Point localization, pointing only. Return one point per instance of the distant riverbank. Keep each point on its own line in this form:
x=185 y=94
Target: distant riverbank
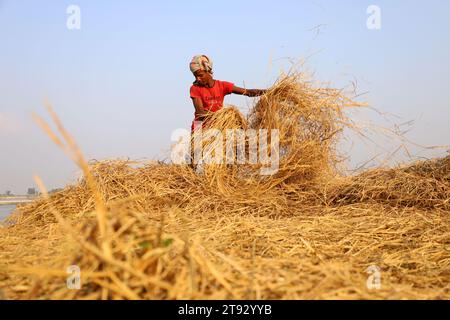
x=10 y=200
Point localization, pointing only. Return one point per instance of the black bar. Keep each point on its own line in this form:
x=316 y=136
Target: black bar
x=230 y=309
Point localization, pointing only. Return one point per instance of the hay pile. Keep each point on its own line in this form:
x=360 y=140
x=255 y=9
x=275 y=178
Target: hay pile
x=162 y=231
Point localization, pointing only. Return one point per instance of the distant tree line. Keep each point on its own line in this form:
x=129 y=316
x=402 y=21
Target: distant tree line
x=30 y=192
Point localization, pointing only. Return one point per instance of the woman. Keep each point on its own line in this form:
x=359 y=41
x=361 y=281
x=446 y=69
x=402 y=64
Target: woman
x=207 y=93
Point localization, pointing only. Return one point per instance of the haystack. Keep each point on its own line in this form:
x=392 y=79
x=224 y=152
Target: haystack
x=163 y=231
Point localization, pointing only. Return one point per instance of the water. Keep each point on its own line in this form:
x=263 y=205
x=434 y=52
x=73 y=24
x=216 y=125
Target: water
x=5 y=210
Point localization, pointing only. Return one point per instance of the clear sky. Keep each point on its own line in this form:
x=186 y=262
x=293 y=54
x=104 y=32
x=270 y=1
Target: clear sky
x=121 y=82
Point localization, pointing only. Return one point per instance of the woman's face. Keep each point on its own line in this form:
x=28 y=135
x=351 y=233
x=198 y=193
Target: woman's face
x=202 y=77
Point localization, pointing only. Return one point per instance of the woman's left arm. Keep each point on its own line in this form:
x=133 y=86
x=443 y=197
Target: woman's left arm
x=249 y=92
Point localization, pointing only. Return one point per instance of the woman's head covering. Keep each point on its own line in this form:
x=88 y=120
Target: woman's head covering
x=201 y=62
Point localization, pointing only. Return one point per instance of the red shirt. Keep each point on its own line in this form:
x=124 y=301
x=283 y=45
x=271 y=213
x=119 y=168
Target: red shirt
x=212 y=98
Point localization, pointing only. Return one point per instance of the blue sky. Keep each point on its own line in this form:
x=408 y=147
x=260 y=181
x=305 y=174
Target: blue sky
x=121 y=83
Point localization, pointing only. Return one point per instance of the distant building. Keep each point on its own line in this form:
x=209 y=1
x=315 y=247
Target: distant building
x=31 y=191
x=8 y=193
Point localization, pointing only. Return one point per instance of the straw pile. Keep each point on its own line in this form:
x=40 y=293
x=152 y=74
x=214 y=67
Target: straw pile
x=162 y=231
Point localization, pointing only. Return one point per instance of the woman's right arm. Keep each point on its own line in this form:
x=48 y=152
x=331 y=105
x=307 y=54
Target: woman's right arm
x=249 y=92
x=199 y=111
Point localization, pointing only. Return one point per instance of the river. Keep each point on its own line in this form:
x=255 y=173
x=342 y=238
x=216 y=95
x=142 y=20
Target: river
x=5 y=210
